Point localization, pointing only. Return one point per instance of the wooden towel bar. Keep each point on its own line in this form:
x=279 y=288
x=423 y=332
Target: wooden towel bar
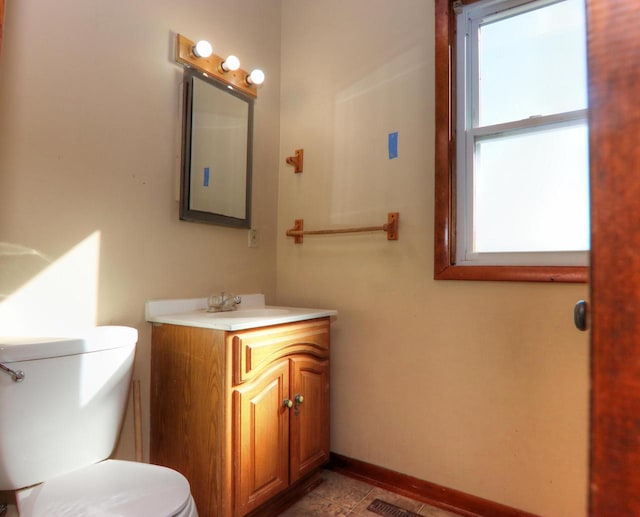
x=391 y=228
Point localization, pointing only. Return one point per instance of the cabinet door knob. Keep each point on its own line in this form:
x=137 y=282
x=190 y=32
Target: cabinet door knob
x=299 y=399
x=287 y=403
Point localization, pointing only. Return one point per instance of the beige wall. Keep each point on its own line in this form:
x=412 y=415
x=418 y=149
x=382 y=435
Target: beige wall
x=89 y=154
x=482 y=387
x=476 y=386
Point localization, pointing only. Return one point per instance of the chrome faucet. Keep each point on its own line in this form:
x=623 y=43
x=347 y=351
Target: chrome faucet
x=223 y=302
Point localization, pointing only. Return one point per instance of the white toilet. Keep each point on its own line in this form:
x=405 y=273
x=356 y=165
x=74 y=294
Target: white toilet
x=62 y=403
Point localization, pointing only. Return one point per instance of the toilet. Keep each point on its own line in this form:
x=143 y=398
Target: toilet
x=62 y=404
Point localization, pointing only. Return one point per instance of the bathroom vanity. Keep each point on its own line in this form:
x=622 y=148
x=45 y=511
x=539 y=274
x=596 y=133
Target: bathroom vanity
x=240 y=400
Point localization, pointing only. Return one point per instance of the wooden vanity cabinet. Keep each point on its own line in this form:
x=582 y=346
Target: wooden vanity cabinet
x=243 y=415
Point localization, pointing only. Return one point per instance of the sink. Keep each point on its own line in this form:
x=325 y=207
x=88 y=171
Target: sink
x=250 y=313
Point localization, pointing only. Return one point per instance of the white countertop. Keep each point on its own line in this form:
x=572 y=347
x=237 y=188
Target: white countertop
x=251 y=313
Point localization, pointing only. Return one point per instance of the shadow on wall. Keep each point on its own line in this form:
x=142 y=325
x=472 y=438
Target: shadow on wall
x=365 y=179
x=44 y=297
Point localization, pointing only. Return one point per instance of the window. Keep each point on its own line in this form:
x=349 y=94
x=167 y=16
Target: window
x=512 y=198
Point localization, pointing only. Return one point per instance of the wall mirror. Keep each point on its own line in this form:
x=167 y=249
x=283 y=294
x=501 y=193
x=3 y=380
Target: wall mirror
x=216 y=153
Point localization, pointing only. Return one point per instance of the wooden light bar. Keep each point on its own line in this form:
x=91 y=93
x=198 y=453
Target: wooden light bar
x=212 y=66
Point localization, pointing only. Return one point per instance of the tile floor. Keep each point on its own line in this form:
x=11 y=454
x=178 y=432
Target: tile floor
x=341 y=496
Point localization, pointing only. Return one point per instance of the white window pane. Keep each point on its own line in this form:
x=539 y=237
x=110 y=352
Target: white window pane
x=531 y=191
x=533 y=63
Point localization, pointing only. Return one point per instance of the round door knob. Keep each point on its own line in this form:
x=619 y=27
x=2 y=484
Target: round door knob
x=287 y=403
x=299 y=399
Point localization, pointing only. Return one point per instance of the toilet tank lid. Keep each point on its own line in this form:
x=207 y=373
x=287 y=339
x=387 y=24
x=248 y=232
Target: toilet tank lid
x=24 y=348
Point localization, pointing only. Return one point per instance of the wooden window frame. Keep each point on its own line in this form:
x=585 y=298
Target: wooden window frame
x=445 y=267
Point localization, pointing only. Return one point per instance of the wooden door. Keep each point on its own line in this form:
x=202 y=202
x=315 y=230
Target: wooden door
x=1 y=24
x=614 y=95
x=310 y=418
x=261 y=438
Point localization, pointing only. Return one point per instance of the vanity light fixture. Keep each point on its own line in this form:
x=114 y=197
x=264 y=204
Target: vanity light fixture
x=202 y=49
x=227 y=71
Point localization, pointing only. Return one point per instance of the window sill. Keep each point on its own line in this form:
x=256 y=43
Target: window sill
x=557 y=274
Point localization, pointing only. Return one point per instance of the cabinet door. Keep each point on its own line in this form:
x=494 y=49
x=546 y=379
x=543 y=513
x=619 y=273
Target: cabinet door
x=309 y=439
x=261 y=438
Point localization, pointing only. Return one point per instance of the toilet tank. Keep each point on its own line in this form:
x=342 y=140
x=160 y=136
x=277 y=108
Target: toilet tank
x=67 y=411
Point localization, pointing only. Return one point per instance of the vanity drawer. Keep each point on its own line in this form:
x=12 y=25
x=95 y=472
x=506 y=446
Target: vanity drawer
x=254 y=350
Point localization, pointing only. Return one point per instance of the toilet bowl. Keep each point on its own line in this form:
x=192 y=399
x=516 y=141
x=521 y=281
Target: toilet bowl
x=66 y=398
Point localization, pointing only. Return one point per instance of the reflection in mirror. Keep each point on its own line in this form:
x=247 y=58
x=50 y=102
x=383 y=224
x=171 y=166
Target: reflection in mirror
x=216 y=153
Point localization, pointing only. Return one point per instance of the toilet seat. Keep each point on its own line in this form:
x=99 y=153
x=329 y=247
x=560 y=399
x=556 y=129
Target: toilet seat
x=110 y=488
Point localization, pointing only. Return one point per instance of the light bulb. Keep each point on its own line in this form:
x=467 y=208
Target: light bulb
x=202 y=49
x=256 y=77
x=230 y=64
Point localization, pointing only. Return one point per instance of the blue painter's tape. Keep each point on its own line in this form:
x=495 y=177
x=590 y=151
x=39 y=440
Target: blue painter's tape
x=393 y=145
x=206 y=176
